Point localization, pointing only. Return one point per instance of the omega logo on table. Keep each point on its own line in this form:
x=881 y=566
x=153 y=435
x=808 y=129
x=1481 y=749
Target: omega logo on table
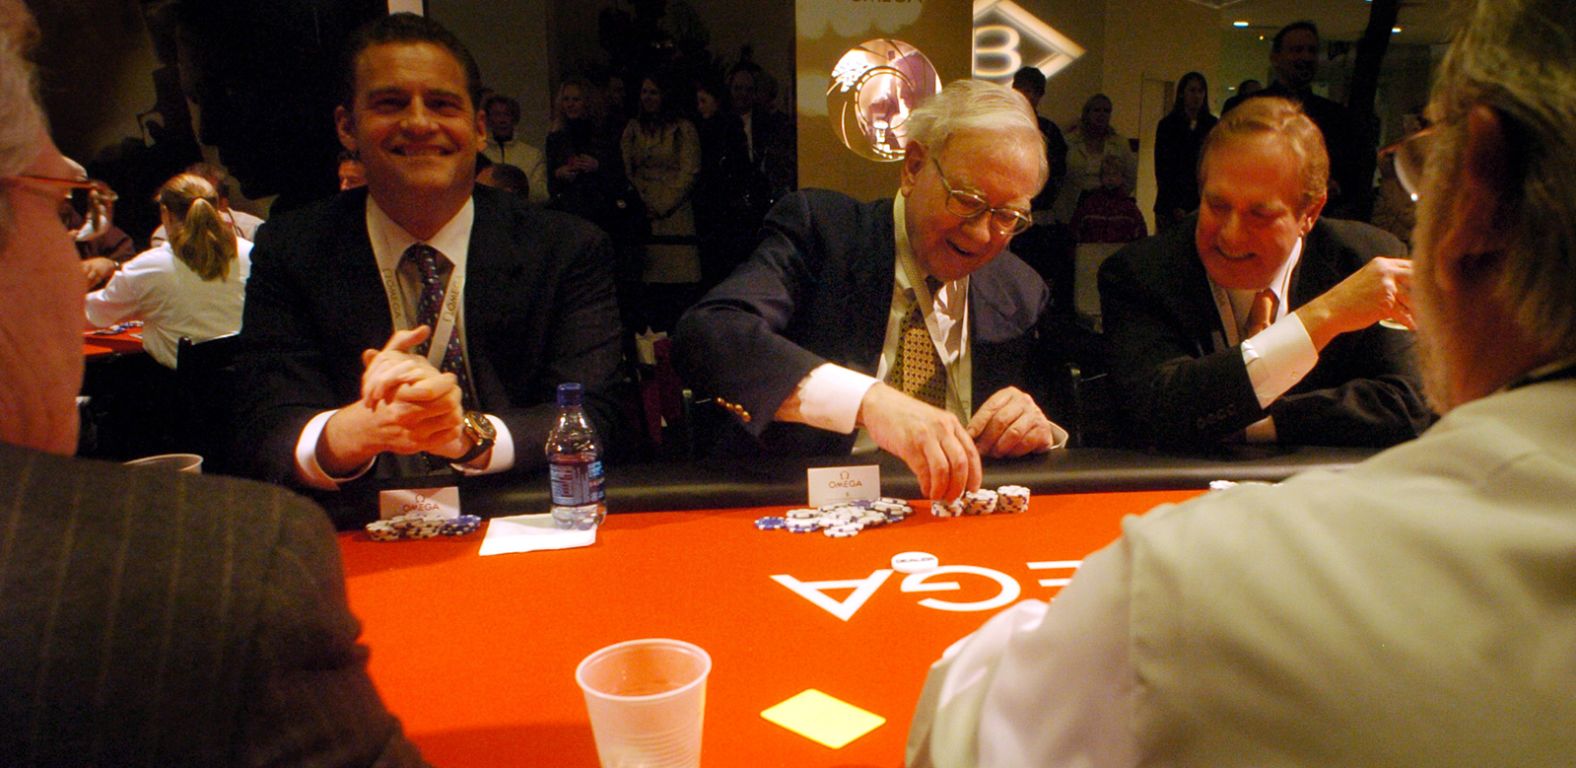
x=1008 y=588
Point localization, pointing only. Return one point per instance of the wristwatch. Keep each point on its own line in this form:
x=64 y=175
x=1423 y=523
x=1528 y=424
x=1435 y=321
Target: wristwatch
x=479 y=430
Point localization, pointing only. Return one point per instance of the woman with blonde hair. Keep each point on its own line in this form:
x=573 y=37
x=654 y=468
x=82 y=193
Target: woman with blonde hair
x=194 y=285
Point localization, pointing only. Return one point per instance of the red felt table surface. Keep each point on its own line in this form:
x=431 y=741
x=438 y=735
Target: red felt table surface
x=476 y=655
x=95 y=345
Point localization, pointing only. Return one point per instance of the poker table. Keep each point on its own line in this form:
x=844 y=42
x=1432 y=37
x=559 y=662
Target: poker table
x=477 y=655
x=96 y=344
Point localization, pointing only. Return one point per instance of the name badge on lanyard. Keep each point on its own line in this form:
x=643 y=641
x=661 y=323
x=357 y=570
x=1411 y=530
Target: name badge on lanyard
x=448 y=315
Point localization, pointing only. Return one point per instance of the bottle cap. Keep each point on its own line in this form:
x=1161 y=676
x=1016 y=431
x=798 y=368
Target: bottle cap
x=569 y=393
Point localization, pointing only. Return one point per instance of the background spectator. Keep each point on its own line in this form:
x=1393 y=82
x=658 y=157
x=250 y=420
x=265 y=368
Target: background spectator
x=1177 y=140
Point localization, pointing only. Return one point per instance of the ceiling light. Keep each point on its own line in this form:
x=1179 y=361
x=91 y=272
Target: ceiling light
x=1239 y=23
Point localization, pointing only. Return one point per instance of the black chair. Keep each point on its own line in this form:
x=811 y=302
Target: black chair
x=205 y=381
x=1091 y=408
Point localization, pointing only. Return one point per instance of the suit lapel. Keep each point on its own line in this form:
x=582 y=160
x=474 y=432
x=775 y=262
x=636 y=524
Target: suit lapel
x=871 y=280
x=353 y=279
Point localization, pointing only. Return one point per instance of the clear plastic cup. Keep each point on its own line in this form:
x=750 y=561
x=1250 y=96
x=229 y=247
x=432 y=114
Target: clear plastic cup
x=647 y=700
x=190 y=463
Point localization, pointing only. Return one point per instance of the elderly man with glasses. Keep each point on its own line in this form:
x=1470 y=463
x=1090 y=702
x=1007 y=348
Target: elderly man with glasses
x=903 y=320
x=1257 y=319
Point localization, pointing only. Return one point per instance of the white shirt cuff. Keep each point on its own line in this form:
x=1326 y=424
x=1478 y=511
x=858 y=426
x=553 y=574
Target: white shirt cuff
x=829 y=397
x=502 y=451
x=1278 y=357
x=307 y=469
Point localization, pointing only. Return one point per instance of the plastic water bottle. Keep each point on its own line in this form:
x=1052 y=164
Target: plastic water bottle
x=574 y=457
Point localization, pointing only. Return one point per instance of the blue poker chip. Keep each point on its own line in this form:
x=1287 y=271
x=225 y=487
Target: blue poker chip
x=771 y=523
x=462 y=525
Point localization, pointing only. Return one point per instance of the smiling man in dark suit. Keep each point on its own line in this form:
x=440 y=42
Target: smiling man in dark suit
x=1261 y=320
x=906 y=318
x=423 y=316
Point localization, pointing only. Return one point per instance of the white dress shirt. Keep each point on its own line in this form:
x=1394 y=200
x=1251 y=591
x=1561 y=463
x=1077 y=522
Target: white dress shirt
x=171 y=300
x=1277 y=357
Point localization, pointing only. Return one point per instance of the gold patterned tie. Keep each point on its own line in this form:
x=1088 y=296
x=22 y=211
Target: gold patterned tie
x=1262 y=312
x=918 y=371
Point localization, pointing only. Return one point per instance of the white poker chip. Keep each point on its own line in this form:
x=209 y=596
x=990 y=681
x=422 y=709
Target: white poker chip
x=842 y=531
x=914 y=562
x=803 y=514
x=1012 y=499
x=981 y=502
x=952 y=508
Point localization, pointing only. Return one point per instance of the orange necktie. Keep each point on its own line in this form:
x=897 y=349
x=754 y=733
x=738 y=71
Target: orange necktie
x=1262 y=312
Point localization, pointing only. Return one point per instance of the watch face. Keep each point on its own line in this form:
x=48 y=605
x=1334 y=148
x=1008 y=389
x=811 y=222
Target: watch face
x=478 y=428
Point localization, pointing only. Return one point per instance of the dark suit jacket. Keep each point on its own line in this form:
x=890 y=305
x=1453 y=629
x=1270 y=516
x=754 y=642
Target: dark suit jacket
x=1161 y=320
x=151 y=618
x=539 y=310
x=818 y=289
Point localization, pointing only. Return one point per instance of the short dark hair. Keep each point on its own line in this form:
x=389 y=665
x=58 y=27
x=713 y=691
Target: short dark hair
x=511 y=178
x=1029 y=77
x=405 y=28
x=218 y=177
x=508 y=102
x=1275 y=46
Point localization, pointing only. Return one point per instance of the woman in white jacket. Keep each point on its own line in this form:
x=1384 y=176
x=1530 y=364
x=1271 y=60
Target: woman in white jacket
x=194 y=285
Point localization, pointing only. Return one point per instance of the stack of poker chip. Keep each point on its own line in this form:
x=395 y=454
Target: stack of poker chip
x=1010 y=499
x=839 y=520
x=416 y=525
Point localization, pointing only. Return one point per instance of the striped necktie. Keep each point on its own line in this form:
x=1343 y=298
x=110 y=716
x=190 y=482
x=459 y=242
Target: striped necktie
x=428 y=305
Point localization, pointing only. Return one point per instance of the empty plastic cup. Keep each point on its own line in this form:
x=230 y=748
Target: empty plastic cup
x=174 y=462
x=646 y=699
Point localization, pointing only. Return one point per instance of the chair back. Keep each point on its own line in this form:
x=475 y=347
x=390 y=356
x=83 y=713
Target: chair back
x=205 y=381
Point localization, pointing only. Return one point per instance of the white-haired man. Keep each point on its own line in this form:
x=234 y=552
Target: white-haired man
x=904 y=318
x=146 y=618
x=1416 y=609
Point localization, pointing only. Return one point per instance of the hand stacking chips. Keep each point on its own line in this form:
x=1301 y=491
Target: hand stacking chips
x=839 y=520
x=418 y=526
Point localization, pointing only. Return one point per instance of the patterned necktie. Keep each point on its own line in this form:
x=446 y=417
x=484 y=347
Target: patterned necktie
x=1262 y=312
x=428 y=305
x=917 y=371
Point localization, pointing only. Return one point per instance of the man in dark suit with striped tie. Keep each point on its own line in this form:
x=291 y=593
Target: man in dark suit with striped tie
x=147 y=618
x=421 y=323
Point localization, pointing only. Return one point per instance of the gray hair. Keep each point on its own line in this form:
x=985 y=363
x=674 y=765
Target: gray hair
x=1518 y=57
x=23 y=125
x=976 y=105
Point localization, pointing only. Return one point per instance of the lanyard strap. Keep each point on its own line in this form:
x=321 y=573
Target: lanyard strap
x=448 y=316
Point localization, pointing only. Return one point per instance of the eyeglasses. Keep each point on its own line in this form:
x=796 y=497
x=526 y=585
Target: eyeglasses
x=1409 y=155
x=969 y=205
x=90 y=198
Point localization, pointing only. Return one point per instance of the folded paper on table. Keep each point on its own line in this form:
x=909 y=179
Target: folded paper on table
x=529 y=533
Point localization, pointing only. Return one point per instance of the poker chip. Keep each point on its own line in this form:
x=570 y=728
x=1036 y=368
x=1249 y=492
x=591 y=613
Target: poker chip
x=914 y=562
x=419 y=526
x=1008 y=499
x=841 y=531
x=980 y=502
x=1012 y=499
x=952 y=508
x=802 y=526
x=840 y=519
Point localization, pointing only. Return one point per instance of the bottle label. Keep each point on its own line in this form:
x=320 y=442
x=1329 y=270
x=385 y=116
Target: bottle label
x=575 y=484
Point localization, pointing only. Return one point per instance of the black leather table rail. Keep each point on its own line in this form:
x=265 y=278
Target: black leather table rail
x=716 y=483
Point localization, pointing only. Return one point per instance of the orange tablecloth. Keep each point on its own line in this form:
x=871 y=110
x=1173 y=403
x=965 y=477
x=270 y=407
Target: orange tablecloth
x=477 y=655
x=95 y=345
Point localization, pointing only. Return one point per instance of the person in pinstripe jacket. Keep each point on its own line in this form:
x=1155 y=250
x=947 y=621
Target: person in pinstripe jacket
x=146 y=618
